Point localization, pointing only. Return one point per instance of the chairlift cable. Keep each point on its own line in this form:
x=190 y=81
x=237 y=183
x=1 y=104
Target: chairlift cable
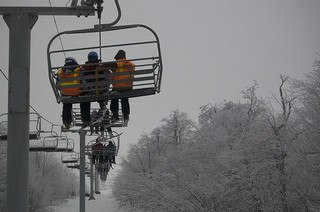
x=4 y=75
x=34 y=110
x=42 y=116
x=99 y=10
x=67 y=2
x=4 y=178
x=55 y=22
x=31 y=105
x=100 y=41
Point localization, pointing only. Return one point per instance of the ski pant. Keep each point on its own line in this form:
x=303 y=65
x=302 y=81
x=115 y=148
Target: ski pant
x=101 y=105
x=67 y=116
x=85 y=111
x=125 y=107
x=66 y=113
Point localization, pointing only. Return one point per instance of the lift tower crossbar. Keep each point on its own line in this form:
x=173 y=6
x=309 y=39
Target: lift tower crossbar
x=20 y=21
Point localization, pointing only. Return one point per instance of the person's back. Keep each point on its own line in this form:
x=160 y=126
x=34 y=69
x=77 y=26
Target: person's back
x=90 y=85
x=111 y=151
x=70 y=70
x=97 y=148
x=123 y=65
x=96 y=72
x=94 y=116
x=104 y=156
x=92 y=63
x=90 y=68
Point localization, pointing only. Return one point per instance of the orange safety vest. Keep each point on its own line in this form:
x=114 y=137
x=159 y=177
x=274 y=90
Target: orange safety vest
x=124 y=66
x=76 y=73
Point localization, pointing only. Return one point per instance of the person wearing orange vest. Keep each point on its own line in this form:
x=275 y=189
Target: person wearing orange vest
x=122 y=65
x=71 y=69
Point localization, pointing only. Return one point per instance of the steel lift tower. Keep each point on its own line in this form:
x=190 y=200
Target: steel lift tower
x=20 y=21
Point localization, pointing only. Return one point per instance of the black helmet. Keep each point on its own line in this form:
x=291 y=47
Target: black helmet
x=120 y=55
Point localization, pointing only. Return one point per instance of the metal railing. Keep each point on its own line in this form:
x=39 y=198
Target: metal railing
x=145 y=80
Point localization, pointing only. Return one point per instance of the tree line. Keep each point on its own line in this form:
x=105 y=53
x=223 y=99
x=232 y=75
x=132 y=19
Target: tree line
x=254 y=155
x=50 y=183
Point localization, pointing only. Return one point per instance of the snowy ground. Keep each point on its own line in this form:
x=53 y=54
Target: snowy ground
x=103 y=203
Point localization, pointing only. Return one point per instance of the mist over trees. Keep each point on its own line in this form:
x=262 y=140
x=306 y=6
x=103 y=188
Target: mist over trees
x=254 y=155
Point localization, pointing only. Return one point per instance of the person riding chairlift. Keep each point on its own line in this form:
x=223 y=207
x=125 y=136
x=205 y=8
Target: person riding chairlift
x=71 y=69
x=121 y=65
x=92 y=67
x=97 y=149
x=111 y=151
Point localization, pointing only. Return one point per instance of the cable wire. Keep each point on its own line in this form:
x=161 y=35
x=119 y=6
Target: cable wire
x=31 y=105
x=55 y=22
x=99 y=18
x=100 y=40
x=67 y=2
x=4 y=75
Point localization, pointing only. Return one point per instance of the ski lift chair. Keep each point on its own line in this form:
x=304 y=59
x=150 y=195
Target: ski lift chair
x=45 y=144
x=146 y=55
x=70 y=157
x=105 y=142
x=74 y=166
x=35 y=124
x=65 y=144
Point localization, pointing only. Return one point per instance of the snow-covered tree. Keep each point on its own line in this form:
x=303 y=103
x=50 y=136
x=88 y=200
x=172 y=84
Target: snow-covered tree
x=250 y=156
x=50 y=182
x=178 y=127
x=141 y=167
x=307 y=146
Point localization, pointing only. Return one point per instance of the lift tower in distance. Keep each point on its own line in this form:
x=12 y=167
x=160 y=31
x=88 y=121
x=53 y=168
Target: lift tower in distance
x=20 y=21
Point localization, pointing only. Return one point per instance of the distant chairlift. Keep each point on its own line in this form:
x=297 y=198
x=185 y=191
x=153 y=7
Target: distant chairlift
x=115 y=140
x=52 y=143
x=145 y=55
x=65 y=145
x=70 y=157
x=74 y=165
x=105 y=153
x=35 y=126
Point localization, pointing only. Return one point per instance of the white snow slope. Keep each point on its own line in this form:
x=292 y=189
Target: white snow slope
x=103 y=203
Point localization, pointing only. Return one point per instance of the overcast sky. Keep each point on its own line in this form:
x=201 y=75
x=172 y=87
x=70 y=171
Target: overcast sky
x=212 y=49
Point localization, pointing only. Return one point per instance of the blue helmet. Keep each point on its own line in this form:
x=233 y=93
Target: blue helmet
x=93 y=57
